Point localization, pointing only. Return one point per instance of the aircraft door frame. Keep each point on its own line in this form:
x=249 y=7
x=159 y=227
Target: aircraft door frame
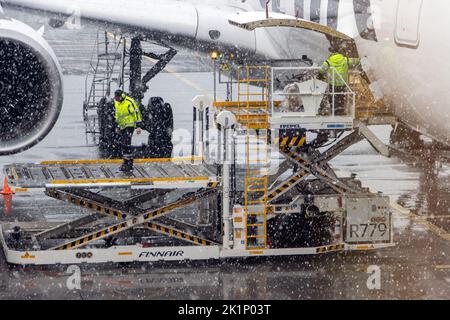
x=407 y=26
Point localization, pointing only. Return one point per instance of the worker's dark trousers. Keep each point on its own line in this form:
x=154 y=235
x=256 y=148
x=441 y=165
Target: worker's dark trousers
x=127 y=152
x=339 y=100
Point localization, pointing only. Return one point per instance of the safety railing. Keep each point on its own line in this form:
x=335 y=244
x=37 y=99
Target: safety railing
x=311 y=92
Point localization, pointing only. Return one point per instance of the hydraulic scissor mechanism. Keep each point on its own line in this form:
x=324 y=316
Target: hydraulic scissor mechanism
x=314 y=164
x=128 y=222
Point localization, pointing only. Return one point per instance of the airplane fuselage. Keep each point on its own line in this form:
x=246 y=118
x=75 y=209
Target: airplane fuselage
x=404 y=48
x=403 y=43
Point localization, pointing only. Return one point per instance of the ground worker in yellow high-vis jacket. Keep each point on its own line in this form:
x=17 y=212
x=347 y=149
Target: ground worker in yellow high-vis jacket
x=338 y=79
x=128 y=116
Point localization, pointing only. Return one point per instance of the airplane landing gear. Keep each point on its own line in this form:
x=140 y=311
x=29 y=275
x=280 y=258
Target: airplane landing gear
x=405 y=138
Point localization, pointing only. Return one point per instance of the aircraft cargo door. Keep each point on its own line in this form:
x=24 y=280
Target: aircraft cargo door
x=407 y=30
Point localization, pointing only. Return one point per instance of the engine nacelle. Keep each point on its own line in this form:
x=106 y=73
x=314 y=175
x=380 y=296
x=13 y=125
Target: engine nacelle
x=31 y=89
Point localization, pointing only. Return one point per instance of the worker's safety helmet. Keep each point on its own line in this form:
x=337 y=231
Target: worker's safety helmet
x=119 y=95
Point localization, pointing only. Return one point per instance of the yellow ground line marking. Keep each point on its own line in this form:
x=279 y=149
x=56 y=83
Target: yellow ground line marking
x=443 y=267
x=443 y=234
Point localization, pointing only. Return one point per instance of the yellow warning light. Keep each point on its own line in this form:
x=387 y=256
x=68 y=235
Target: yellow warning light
x=215 y=55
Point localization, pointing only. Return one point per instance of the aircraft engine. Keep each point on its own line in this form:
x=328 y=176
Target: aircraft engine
x=31 y=89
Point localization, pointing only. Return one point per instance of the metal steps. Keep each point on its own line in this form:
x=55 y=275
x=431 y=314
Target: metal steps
x=106 y=68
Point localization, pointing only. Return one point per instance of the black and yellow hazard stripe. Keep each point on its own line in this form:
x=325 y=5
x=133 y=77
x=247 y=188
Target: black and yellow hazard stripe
x=330 y=248
x=293 y=154
x=291 y=142
x=93 y=236
x=78 y=201
x=212 y=184
x=287 y=185
x=132 y=222
x=179 y=234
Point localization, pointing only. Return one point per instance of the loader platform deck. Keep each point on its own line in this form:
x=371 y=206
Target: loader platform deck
x=182 y=172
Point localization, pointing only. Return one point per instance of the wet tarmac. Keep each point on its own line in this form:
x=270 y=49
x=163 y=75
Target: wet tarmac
x=418 y=267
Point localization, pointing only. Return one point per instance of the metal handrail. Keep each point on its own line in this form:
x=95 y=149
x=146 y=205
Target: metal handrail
x=313 y=70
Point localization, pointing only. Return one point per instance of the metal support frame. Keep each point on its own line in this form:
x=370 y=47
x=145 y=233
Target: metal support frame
x=316 y=165
x=128 y=221
x=138 y=84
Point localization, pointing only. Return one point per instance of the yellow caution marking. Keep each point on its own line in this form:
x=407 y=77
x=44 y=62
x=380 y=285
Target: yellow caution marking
x=119 y=161
x=244 y=104
x=125 y=253
x=86 y=204
x=294 y=139
x=17 y=190
x=301 y=142
x=27 y=256
x=179 y=234
x=286 y=185
x=330 y=248
x=135 y=180
x=259 y=252
x=284 y=142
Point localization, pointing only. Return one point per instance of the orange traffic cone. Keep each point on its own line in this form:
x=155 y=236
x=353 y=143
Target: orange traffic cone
x=7 y=197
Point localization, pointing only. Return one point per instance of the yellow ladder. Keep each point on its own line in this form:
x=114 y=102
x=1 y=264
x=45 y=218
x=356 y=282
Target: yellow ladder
x=256 y=198
x=254 y=113
x=254 y=116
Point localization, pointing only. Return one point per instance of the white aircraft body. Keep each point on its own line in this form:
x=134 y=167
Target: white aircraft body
x=403 y=43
